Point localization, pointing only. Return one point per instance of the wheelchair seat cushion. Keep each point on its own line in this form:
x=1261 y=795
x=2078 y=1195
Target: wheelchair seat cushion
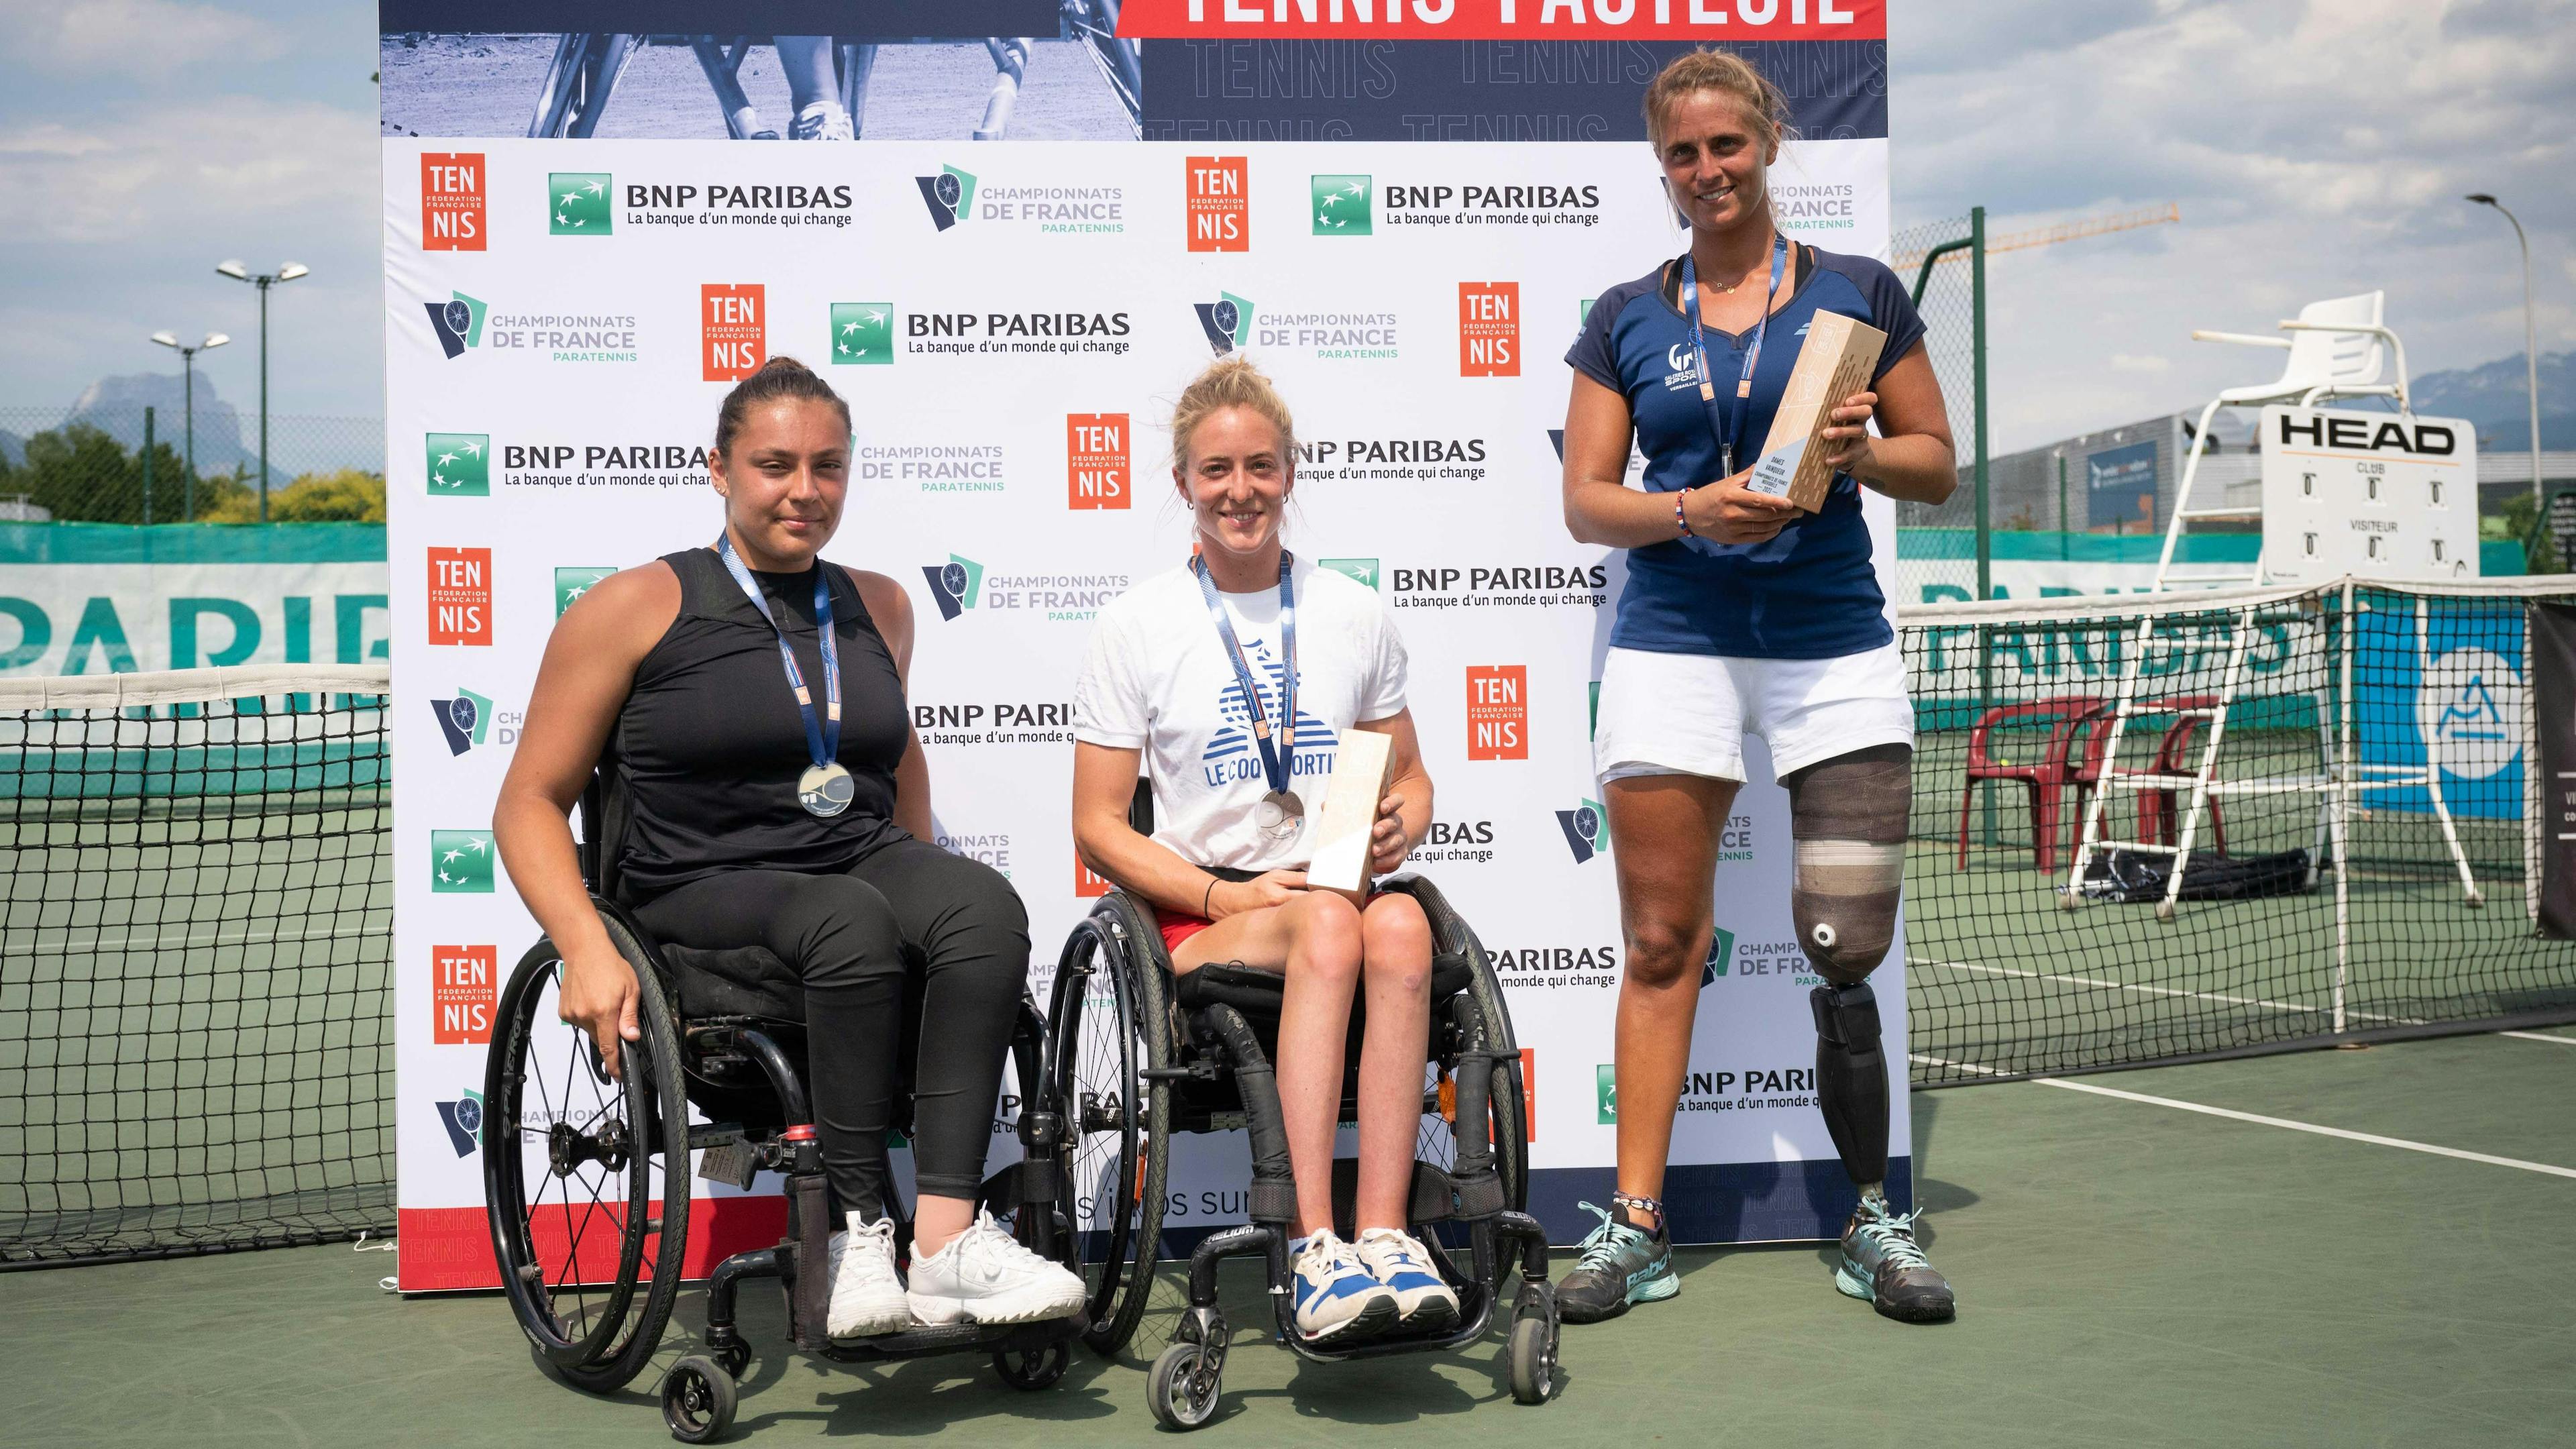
x=738 y=981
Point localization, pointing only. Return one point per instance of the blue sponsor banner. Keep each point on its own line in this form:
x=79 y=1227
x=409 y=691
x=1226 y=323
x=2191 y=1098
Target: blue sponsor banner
x=2463 y=687
x=1476 y=90
x=2120 y=486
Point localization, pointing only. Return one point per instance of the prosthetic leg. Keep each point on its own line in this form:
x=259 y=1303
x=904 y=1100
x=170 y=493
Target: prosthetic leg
x=1848 y=821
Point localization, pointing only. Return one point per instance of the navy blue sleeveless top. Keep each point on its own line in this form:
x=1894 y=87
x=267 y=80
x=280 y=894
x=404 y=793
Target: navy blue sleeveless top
x=711 y=744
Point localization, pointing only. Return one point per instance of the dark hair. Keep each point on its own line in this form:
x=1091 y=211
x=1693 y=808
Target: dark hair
x=779 y=379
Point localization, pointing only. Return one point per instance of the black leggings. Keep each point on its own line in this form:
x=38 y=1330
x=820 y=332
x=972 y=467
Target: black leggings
x=857 y=938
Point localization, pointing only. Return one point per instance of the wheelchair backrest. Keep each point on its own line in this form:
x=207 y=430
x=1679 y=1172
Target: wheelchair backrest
x=604 y=809
x=1140 y=807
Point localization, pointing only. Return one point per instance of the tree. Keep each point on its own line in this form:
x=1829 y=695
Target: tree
x=81 y=474
x=344 y=496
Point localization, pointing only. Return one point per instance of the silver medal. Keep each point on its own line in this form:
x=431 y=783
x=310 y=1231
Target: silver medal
x=826 y=789
x=1280 y=815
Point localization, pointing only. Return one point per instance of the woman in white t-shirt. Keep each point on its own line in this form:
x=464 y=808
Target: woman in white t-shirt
x=1231 y=679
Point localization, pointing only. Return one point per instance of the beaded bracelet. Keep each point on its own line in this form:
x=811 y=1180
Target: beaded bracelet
x=1680 y=517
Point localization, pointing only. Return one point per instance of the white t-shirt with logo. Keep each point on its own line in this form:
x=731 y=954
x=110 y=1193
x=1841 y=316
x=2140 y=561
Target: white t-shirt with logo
x=1158 y=678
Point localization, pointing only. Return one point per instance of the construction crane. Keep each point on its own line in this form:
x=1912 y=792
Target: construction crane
x=1905 y=262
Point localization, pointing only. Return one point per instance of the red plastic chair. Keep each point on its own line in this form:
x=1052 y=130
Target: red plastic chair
x=2046 y=778
x=2158 y=811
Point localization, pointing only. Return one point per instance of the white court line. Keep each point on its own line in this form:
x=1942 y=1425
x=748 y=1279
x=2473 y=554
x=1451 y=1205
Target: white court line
x=2371 y=1138
x=2104 y=984
x=2536 y=1036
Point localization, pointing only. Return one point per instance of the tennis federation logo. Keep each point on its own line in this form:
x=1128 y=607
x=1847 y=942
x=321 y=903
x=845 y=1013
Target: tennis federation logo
x=950 y=195
x=464 y=720
x=581 y=203
x=459 y=464
x=460 y=862
x=862 y=333
x=1587 y=833
x=463 y=1119
x=1227 y=322
x=451 y=201
x=1721 y=954
x=954 y=584
x=1343 y=205
x=458 y=322
x=1219 y=203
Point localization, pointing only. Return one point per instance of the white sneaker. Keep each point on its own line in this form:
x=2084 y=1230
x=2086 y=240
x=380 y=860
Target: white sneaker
x=985 y=1275
x=1397 y=1259
x=867 y=1297
x=821 y=121
x=1334 y=1297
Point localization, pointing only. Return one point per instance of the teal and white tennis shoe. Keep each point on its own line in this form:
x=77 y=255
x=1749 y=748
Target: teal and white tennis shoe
x=1617 y=1265
x=1883 y=1264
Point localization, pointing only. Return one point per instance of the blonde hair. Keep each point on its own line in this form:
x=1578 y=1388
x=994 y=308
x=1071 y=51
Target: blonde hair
x=1229 y=382
x=1731 y=75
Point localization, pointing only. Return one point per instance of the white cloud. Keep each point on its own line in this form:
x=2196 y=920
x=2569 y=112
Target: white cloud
x=2132 y=362
x=126 y=37
x=2317 y=148
x=237 y=157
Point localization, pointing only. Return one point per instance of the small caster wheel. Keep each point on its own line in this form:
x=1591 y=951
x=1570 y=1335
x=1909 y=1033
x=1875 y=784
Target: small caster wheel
x=733 y=1358
x=1025 y=1369
x=697 y=1400
x=1533 y=1362
x=1185 y=1386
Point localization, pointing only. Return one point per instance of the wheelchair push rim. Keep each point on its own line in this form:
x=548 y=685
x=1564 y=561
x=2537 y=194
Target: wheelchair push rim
x=576 y=1176
x=1116 y=1125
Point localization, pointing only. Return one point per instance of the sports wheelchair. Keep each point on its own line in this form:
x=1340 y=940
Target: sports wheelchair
x=587 y=1185
x=1143 y=1052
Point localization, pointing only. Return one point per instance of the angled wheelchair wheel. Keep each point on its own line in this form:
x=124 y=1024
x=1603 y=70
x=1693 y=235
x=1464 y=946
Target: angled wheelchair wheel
x=1112 y=1029
x=588 y=1222
x=579 y=81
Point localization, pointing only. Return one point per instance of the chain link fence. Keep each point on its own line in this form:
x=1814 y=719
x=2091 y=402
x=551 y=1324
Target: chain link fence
x=1937 y=260
x=134 y=465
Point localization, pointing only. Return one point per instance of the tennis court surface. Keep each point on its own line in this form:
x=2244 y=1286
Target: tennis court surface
x=2129 y=1272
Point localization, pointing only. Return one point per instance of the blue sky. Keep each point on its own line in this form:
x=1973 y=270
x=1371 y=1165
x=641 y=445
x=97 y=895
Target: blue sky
x=2316 y=147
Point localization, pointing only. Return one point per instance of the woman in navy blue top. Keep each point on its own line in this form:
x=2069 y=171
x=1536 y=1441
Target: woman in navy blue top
x=1743 y=615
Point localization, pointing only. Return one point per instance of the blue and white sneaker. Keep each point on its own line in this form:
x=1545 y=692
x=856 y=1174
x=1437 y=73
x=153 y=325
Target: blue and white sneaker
x=1335 y=1298
x=1423 y=1304
x=1619 y=1264
x=1883 y=1264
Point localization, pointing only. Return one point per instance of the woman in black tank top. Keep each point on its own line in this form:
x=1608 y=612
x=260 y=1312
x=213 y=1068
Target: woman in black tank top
x=754 y=818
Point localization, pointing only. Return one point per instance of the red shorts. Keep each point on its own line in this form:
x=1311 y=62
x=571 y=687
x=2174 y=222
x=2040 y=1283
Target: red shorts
x=1178 y=928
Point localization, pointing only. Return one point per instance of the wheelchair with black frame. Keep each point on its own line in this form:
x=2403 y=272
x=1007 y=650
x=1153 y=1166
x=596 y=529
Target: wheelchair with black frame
x=1142 y=1052
x=590 y=1221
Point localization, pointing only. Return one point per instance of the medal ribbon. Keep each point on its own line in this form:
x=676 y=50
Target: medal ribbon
x=823 y=739
x=1739 y=407
x=1276 y=756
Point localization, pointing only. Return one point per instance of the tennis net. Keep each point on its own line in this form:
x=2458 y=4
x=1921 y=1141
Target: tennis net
x=2332 y=891
x=196 y=1039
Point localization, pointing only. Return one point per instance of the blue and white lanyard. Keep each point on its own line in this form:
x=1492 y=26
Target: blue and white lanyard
x=1275 y=756
x=823 y=739
x=1736 y=410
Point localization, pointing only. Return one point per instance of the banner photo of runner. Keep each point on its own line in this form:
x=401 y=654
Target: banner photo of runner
x=1404 y=230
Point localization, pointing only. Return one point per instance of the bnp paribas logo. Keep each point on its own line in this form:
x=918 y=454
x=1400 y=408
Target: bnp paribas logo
x=581 y=201
x=459 y=464
x=1227 y=322
x=464 y=720
x=460 y=862
x=1605 y=1094
x=862 y=333
x=1358 y=570
x=950 y=195
x=954 y=584
x=1721 y=954
x=1342 y=205
x=458 y=321
x=572 y=583
x=1587 y=832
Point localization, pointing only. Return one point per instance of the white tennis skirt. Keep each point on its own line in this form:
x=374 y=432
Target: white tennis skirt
x=1688 y=714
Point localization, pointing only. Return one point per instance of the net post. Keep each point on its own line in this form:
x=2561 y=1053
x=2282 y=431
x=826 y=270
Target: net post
x=2343 y=787
x=1977 y=333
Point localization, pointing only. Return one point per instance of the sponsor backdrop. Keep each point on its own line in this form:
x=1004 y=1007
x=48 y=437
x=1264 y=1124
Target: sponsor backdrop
x=1011 y=322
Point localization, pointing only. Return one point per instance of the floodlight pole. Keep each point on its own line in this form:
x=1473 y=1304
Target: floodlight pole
x=263 y=281
x=2530 y=357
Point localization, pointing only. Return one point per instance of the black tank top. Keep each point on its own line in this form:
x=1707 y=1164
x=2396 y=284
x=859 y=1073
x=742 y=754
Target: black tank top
x=711 y=744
